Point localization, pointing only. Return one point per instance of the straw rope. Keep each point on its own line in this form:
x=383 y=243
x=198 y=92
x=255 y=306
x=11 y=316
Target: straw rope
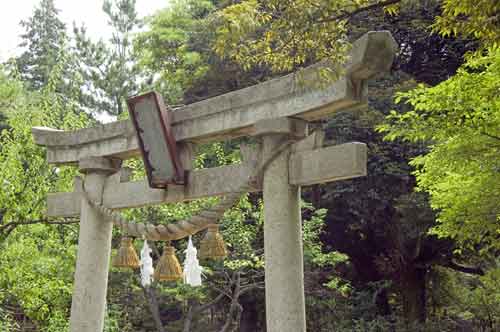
x=192 y=225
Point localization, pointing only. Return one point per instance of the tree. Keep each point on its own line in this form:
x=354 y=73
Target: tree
x=463 y=129
x=169 y=48
x=109 y=70
x=377 y=221
x=460 y=172
x=177 y=51
x=470 y=19
x=37 y=253
x=286 y=35
x=44 y=39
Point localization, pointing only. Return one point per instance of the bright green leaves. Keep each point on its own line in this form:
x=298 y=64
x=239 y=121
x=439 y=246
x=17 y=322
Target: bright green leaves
x=37 y=260
x=238 y=21
x=173 y=48
x=314 y=252
x=37 y=271
x=26 y=177
x=283 y=35
x=242 y=226
x=461 y=118
x=470 y=19
x=468 y=100
x=20 y=160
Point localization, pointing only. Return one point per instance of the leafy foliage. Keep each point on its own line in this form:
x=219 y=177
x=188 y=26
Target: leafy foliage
x=37 y=254
x=282 y=34
x=460 y=172
x=169 y=48
x=471 y=19
x=38 y=265
x=109 y=70
x=370 y=264
x=45 y=38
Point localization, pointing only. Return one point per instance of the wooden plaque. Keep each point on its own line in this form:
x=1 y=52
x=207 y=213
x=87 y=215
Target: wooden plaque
x=151 y=120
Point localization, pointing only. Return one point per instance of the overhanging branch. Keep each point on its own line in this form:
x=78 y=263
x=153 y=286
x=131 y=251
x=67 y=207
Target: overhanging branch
x=350 y=14
x=9 y=227
x=465 y=269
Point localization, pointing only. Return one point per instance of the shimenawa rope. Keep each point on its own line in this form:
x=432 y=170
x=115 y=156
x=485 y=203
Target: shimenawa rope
x=192 y=225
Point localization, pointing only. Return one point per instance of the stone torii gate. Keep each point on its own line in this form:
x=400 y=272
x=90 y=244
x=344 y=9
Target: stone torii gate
x=276 y=111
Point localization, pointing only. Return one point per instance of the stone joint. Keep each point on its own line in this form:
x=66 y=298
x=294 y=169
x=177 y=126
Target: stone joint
x=293 y=128
x=99 y=165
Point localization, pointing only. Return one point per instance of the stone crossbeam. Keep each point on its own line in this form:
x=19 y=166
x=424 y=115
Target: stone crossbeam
x=305 y=168
x=234 y=114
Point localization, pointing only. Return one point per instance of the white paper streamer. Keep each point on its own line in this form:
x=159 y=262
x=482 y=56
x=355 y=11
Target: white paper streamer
x=147 y=269
x=192 y=268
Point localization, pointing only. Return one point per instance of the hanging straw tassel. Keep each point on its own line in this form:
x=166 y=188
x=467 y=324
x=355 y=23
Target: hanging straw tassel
x=168 y=268
x=126 y=257
x=212 y=246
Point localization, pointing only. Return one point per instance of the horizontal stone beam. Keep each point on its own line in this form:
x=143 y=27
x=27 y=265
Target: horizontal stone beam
x=216 y=181
x=334 y=163
x=234 y=114
x=306 y=168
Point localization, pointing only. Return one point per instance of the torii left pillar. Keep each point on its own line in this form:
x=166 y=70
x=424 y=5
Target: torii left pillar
x=94 y=249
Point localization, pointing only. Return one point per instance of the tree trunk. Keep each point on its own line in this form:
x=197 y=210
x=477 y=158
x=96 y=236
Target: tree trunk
x=189 y=317
x=250 y=315
x=414 y=294
x=234 y=314
x=382 y=302
x=154 y=308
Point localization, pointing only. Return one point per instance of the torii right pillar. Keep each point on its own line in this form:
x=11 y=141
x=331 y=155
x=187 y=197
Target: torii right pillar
x=284 y=267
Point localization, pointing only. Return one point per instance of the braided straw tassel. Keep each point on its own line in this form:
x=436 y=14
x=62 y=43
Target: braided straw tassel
x=212 y=246
x=168 y=268
x=126 y=257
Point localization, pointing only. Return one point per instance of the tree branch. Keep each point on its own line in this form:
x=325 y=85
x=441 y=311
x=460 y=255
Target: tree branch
x=9 y=227
x=235 y=308
x=490 y=136
x=207 y=306
x=347 y=15
x=154 y=308
x=189 y=317
x=465 y=269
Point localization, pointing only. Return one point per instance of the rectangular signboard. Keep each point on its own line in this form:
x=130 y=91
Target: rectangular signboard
x=152 y=124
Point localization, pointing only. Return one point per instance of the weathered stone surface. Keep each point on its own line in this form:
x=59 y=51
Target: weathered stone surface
x=293 y=128
x=312 y=141
x=234 y=114
x=92 y=263
x=306 y=167
x=329 y=164
x=53 y=137
x=63 y=204
x=250 y=111
x=201 y=183
x=99 y=164
x=371 y=54
x=284 y=273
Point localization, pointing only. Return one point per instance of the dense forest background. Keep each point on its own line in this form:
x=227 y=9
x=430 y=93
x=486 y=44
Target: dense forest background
x=411 y=247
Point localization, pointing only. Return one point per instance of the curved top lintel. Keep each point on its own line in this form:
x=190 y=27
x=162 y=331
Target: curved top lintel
x=234 y=114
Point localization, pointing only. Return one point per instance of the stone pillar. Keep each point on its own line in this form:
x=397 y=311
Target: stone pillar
x=94 y=248
x=284 y=269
